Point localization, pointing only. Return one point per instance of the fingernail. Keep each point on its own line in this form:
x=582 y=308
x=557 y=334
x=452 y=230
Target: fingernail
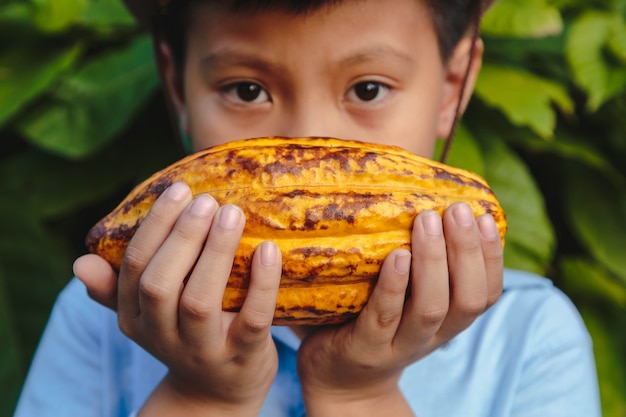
x=229 y=216
x=268 y=253
x=202 y=205
x=487 y=227
x=431 y=221
x=402 y=263
x=177 y=191
x=463 y=215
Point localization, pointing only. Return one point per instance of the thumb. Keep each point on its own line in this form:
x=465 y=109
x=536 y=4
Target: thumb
x=100 y=279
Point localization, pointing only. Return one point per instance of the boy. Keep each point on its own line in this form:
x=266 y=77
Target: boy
x=348 y=69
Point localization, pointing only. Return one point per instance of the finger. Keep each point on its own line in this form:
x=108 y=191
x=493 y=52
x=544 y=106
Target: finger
x=150 y=235
x=468 y=282
x=428 y=303
x=493 y=255
x=99 y=278
x=378 y=322
x=161 y=283
x=252 y=325
x=200 y=307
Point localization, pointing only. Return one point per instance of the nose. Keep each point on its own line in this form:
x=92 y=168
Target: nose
x=310 y=118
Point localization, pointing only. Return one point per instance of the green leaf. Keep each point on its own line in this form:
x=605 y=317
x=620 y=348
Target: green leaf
x=93 y=105
x=587 y=40
x=106 y=13
x=597 y=209
x=617 y=40
x=524 y=98
x=13 y=12
x=586 y=279
x=57 y=15
x=465 y=152
x=34 y=267
x=530 y=240
x=28 y=70
x=572 y=148
x=30 y=278
x=55 y=187
x=522 y=18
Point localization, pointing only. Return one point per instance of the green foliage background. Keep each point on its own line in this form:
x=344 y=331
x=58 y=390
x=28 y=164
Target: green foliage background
x=82 y=120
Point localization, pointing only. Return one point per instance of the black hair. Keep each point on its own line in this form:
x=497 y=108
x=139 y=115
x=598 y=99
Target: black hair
x=452 y=19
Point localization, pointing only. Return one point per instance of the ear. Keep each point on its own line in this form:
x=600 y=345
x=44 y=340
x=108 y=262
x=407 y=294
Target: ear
x=457 y=87
x=172 y=84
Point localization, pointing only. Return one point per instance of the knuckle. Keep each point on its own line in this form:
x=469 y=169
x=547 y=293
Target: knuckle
x=372 y=361
x=494 y=296
x=221 y=246
x=467 y=241
x=250 y=332
x=255 y=323
x=126 y=326
x=134 y=259
x=494 y=263
x=160 y=212
x=186 y=234
x=433 y=316
x=493 y=251
x=393 y=289
x=389 y=319
x=470 y=246
x=195 y=308
x=434 y=255
x=152 y=291
x=473 y=307
x=264 y=297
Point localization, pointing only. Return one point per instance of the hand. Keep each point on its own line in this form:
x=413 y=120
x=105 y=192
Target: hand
x=355 y=368
x=169 y=301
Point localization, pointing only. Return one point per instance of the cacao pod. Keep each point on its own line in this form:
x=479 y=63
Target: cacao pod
x=335 y=208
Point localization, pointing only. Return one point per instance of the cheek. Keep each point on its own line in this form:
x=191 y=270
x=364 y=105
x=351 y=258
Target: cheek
x=425 y=116
x=205 y=131
x=425 y=136
x=211 y=124
x=418 y=139
x=207 y=125
x=414 y=127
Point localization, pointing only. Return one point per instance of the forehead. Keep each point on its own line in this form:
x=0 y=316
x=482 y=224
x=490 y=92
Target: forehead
x=335 y=20
x=294 y=7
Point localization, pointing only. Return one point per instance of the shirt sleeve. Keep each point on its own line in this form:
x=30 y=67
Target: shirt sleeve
x=560 y=351
x=65 y=377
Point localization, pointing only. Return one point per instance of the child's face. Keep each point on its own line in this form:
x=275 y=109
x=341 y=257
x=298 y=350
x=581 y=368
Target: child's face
x=366 y=70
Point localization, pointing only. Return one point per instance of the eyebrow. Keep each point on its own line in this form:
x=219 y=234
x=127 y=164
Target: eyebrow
x=229 y=57
x=373 y=53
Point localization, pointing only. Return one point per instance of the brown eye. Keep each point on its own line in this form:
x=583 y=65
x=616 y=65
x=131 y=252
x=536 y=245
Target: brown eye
x=368 y=91
x=246 y=92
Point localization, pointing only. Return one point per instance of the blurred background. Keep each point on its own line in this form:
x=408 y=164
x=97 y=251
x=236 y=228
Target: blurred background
x=82 y=120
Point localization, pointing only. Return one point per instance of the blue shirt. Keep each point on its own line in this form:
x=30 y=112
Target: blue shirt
x=529 y=355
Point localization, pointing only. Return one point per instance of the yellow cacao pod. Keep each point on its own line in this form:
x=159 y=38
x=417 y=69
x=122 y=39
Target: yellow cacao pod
x=335 y=208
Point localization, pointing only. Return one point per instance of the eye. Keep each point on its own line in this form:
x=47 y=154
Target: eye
x=368 y=91
x=247 y=92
